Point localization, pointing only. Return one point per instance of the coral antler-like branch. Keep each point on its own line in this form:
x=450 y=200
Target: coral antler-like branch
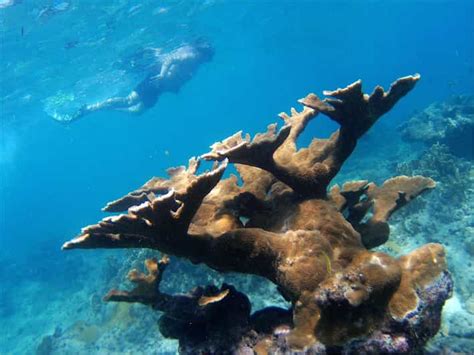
x=179 y=180
x=187 y=312
x=257 y=152
x=309 y=171
x=160 y=223
x=359 y=197
x=355 y=111
x=147 y=285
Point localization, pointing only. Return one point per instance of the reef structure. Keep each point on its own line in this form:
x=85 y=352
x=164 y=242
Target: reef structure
x=450 y=123
x=285 y=224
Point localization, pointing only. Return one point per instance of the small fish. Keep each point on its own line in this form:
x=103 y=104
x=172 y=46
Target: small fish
x=205 y=300
x=452 y=83
x=71 y=44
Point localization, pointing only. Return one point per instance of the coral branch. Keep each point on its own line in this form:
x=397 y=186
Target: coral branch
x=257 y=152
x=179 y=180
x=355 y=111
x=161 y=223
x=204 y=314
x=309 y=171
x=393 y=194
x=147 y=290
x=359 y=197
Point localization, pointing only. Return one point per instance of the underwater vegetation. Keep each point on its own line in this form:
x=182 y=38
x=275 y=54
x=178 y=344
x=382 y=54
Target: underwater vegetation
x=285 y=224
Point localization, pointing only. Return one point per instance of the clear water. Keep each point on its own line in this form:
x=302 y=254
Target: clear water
x=56 y=56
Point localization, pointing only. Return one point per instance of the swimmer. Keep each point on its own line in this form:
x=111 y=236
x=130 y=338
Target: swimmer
x=168 y=74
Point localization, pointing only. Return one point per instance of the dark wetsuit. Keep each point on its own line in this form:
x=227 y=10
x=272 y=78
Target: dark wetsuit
x=176 y=68
x=148 y=91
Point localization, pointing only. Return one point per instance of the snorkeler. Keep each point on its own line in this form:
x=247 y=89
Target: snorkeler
x=168 y=74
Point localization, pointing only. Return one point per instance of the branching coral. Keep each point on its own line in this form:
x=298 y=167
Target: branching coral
x=284 y=225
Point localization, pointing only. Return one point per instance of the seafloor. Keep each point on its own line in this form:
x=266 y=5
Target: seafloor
x=58 y=308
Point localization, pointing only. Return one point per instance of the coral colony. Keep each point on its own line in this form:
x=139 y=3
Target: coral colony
x=284 y=223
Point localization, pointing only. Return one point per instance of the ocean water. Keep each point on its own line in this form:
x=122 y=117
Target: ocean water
x=56 y=56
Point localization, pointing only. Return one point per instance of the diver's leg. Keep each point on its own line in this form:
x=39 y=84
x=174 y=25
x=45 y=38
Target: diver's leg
x=125 y=103
x=136 y=109
x=113 y=103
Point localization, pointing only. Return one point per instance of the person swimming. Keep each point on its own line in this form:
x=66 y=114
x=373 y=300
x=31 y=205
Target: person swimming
x=169 y=72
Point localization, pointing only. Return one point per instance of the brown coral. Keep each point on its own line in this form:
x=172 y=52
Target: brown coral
x=281 y=223
x=147 y=290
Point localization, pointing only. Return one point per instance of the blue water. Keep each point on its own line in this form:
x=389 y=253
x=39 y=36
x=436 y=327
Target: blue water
x=55 y=178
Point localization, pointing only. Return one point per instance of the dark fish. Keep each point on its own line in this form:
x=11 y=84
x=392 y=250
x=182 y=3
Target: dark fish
x=71 y=44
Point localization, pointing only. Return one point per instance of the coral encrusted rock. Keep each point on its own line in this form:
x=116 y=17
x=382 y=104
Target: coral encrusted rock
x=450 y=123
x=285 y=224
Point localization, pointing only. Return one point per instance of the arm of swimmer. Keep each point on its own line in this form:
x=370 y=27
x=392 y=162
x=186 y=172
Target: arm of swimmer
x=165 y=67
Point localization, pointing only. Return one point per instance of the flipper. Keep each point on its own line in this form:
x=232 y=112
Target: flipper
x=67 y=118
